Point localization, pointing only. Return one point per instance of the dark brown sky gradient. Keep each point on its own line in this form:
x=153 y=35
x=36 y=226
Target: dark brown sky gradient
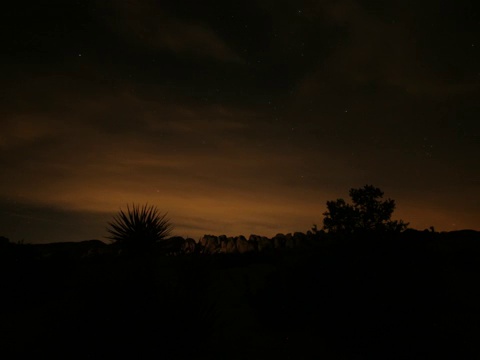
x=236 y=117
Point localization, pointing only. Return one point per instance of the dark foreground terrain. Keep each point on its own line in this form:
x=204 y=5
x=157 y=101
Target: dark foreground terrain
x=416 y=296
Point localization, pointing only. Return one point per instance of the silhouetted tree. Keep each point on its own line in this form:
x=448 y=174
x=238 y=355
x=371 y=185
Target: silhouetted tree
x=368 y=213
x=139 y=226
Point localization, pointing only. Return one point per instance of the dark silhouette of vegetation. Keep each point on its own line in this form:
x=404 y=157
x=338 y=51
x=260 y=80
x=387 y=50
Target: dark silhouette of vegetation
x=367 y=214
x=408 y=297
x=139 y=226
x=4 y=241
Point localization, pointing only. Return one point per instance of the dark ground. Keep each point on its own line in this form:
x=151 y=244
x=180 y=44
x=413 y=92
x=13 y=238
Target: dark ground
x=413 y=297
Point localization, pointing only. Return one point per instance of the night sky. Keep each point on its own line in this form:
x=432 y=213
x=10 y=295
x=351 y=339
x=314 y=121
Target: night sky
x=236 y=117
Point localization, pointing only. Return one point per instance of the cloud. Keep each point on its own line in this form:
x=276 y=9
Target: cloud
x=147 y=23
x=191 y=159
x=22 y=129
x=385 y=48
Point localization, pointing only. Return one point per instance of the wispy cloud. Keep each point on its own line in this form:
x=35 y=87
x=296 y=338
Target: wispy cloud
x=386 y=49
x=148 y=23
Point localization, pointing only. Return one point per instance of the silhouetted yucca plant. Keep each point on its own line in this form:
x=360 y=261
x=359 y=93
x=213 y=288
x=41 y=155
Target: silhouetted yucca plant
x=139 y=226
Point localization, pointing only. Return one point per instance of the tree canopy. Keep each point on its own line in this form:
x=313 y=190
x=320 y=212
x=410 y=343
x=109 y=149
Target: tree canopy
x=368 y=213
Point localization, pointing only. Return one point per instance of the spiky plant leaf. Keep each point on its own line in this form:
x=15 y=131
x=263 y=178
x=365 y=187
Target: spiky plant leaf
x=139 y=226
